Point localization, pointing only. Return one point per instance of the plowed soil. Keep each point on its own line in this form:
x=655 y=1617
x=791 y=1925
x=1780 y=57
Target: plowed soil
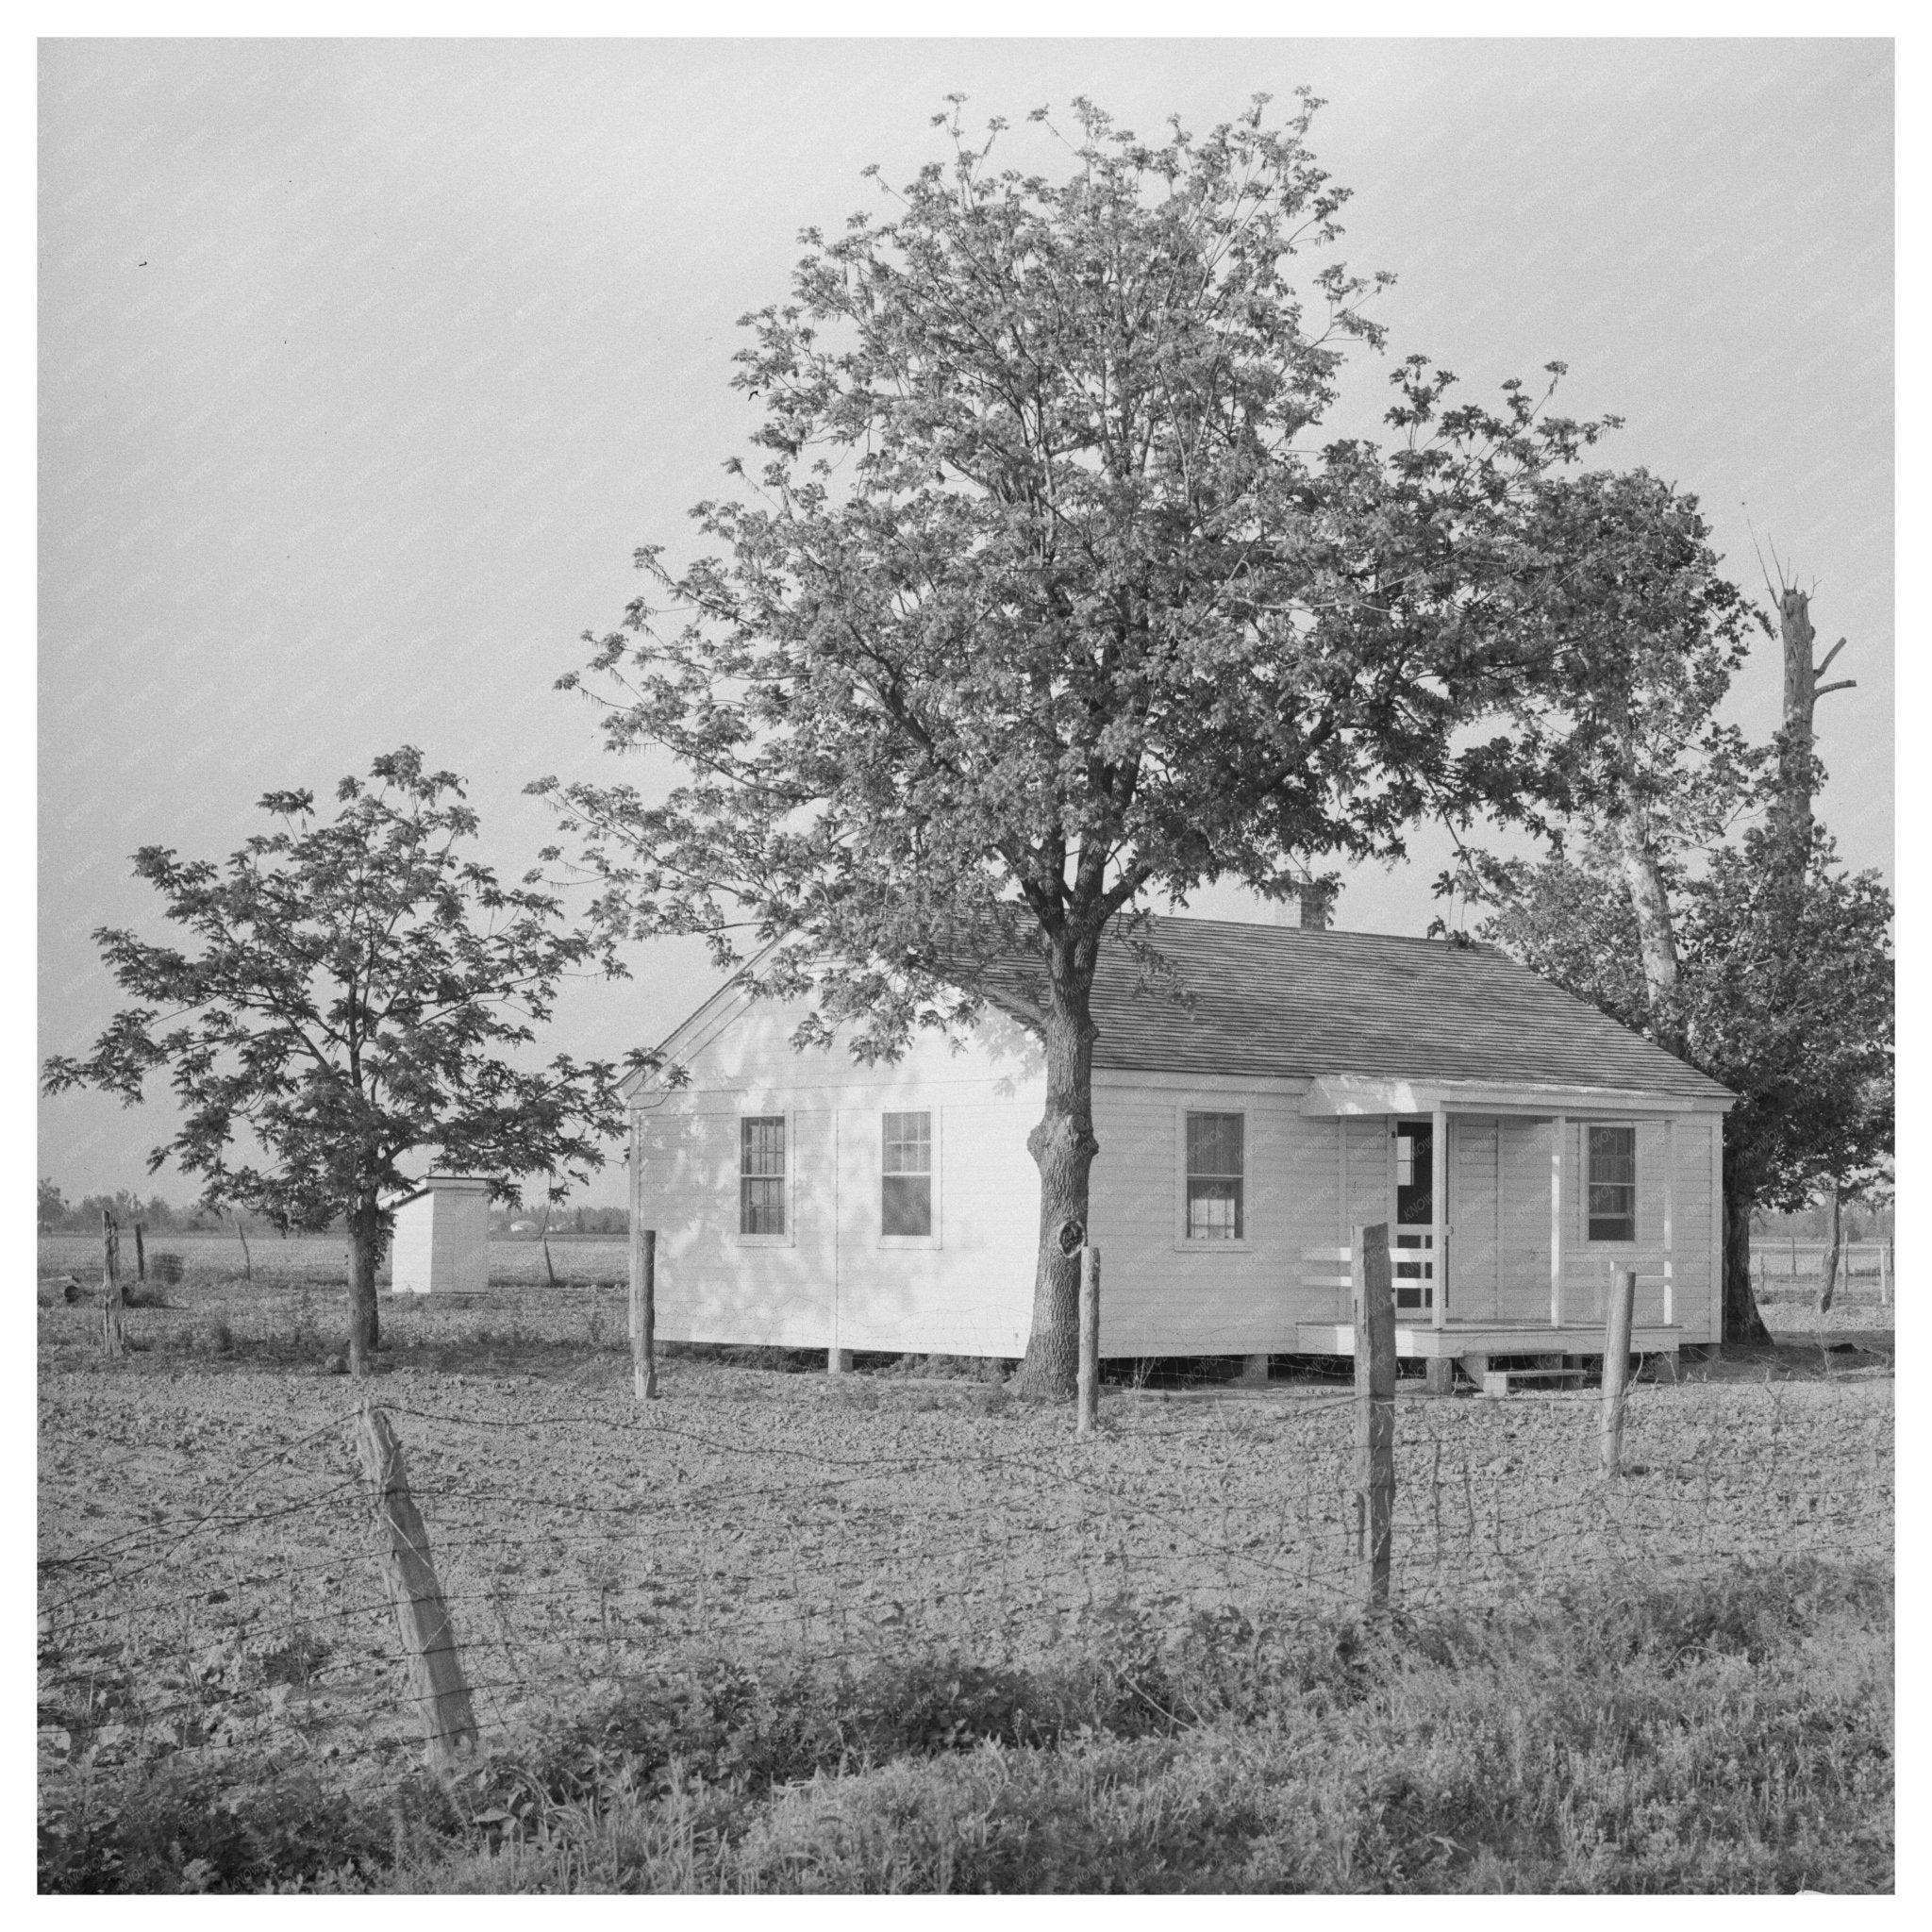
x=208 y=1575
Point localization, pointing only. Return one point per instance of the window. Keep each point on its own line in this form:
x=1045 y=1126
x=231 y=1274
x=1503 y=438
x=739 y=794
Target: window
x=1612 y=1183
x=1214 y=1177
x=906 y=1176
x=761 y=1174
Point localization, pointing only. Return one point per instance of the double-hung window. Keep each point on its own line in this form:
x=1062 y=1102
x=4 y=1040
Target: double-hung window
x=906 y=1176
x=761 y=1174
x=1611 y=1183
x=1216 y=1159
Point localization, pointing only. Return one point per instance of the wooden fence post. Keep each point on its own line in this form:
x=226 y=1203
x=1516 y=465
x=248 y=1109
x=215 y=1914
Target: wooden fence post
x=436 y=1670
x=247 y=1259
x=1088 y=1417
x=112 y=1335
x=140 y=1253
x=1374 y=1405
x=1616 y=1373
x=643 y=1320
x=1884 y=1292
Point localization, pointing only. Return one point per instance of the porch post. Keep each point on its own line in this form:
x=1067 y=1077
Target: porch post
x=1342 y=1181
x=1439 y=1214
x=1558 y=1130
x=1670 y=1220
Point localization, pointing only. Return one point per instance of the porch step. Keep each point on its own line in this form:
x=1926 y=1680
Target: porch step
x=1505 y=1381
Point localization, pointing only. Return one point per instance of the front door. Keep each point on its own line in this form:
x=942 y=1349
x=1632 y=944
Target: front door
x=1415 y=1216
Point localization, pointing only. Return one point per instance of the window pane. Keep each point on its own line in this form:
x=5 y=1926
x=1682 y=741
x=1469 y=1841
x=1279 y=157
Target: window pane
x=906 y=1206
x=1611 y=1184
x=761 y=1171
x=1215 y=1153
x=761 y=1145
x=1214 y=1143
x=1214 y=1211
x=907 y=1143
x=761 y=1207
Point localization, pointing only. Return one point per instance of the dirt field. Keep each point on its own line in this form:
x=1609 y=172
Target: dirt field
x=208 y=1577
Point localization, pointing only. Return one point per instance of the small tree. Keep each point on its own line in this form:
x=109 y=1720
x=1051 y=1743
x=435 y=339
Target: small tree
x=1047 y=600
x=1790 y=1003
x=1786 y=1000
x=50 y=1205
x=360 y=989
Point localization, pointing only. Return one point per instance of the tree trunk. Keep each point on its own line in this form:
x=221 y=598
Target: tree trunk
x=1742 y=1322
x=1650 y=906
x=1064 y=1147
x=1827 y=1267
x=365 y=1250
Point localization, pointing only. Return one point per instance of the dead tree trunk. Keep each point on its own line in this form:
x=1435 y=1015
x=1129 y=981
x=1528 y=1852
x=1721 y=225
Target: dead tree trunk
x=1797 y=762
x=1063 y=1146
x=437 y=1685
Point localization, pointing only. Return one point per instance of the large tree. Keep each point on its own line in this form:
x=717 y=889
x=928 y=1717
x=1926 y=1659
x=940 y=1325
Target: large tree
x=359 y=996
x=1047 y=598
x=1634 y=635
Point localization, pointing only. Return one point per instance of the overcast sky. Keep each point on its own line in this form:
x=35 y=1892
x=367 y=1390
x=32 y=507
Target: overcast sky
x=366 y=366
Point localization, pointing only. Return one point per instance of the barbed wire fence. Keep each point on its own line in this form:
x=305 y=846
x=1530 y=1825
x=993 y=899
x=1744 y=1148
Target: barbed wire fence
x=259 y=1623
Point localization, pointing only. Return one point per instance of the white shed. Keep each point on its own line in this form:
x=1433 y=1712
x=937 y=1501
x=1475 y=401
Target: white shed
x=443 y=1236
x=1519 y=1143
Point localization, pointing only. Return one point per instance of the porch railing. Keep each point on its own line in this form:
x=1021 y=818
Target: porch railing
x=1563 y=1312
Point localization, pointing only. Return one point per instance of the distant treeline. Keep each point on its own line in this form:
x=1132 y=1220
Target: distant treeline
x=529 y=1222
x=54 y=1214
x=1863 y=1222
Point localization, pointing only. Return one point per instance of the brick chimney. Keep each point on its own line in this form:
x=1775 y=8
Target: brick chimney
x=1311 y=906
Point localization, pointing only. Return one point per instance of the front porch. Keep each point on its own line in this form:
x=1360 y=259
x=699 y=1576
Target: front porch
x=1452 y=1339
x=1510 y=1215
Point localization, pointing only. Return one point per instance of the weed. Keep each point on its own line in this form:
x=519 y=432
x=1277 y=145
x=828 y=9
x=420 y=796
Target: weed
x=1731 y=1734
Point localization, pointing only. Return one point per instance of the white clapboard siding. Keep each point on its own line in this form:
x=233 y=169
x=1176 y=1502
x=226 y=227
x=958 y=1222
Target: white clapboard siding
x=1475 y=1205
x=833 y=1281
x=1163 y=1294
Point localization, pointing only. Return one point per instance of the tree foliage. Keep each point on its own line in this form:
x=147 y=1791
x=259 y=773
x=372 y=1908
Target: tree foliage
x=1046 y=596
x=357 y=995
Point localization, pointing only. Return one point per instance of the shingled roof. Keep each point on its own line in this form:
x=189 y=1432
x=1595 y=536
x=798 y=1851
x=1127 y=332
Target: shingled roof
x=1275 y=1001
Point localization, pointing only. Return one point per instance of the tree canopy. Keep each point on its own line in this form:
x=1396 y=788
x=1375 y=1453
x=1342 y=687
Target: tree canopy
x=357 y=996
x=1047 y=595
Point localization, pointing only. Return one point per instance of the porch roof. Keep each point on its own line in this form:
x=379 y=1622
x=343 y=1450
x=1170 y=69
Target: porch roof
x=1276 y=1002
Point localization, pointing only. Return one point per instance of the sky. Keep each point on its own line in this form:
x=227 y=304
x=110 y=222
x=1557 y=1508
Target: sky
x=365 y=366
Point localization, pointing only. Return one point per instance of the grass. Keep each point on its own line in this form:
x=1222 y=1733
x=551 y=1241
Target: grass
x=1725 y=1735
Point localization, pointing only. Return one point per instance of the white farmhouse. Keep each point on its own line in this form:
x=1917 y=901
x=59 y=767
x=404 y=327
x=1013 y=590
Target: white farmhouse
x=1518 y=1143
